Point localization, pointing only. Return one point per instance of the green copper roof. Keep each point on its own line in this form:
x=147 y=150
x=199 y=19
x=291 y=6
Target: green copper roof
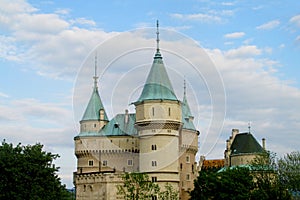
x=158 y=85
x=245 y=143
x=186 y=115
x=92 y=111
x=118 y=126
x=115 y=127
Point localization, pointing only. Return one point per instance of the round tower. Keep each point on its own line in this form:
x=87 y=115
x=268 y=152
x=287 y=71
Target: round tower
x=158 y=122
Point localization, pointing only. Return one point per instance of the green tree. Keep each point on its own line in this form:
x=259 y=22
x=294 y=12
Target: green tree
x=169 y=193
x=28 y=172
x=232 y=183
x=289 y=171
x=137 y=186
x=267 y=179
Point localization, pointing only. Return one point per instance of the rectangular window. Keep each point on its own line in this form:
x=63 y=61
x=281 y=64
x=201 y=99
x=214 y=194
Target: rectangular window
x=153 y=147
x=104 y=162
x=154 y=179
x=91 y=162
x=154 y=197
x=129 y=162
x=154 y=164
x=187 y=159
x=187 y=177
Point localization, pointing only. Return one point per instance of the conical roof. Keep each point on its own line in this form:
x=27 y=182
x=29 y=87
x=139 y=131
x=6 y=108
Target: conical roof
x=187 y=115
x=92 y=111
x=158 y=85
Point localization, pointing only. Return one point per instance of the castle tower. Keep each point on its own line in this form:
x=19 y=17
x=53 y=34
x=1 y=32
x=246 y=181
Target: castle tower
x=188 y=147
x=158 y=122
x=94 y=117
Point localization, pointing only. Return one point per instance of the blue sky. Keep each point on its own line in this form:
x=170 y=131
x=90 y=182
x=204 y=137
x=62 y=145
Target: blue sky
x=46 y=60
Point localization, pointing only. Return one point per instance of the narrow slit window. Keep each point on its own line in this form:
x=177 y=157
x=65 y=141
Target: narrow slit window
x=169 y=111
x=152 y=111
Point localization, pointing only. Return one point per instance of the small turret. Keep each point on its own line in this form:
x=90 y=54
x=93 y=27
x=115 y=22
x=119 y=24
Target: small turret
x=94 y=117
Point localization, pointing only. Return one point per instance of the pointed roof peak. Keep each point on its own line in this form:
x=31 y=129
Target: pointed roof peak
x=95 y=77
x=157 y=54
x=92 y=111
x=158 y=85
x=187 y=117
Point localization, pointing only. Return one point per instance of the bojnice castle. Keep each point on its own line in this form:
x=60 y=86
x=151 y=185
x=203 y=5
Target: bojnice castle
x=159 y=139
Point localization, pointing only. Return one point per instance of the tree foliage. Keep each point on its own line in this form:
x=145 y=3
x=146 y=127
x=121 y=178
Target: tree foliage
x=264 y=178
x=137 y=186
x=233 y=184
x=289 y=171
x=28 y=172
x=169 y=193
x=268 y=184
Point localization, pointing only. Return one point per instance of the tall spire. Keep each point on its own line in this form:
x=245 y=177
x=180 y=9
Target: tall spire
x=157 y=36
x=158 y=85
x=157 y=54
x=187 y=117
x=92 y=111
x=95 y=75
x=184 y=87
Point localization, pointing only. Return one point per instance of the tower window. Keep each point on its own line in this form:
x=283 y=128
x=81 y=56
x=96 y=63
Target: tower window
x=180 y=166
x=187 y=159
x=153 y=146
x=154 y=179
x=187 y=177
x=95 y=125
x=154 y=164
x=152 y=111
x=129 y=162
x=91 y=162
x=169 y=111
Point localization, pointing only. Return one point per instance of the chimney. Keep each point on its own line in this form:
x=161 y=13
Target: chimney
x=264 y=143
x=126 y=118
x=234 y=133
x=227 y=144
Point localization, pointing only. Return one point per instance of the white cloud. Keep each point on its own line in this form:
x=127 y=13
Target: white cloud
x=204 y=18
x=228 y=3
x=269 y=25
x=4 y=95
x=298 y=39
x=296 y=20
x=62 y=11
x=51 y=45
x=83 y=21
x=243 y=52
x=234 y=35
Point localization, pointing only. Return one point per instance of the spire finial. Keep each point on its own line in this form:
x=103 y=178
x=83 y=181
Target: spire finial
x=157 y=36
x=249 y=127
x=95 y=75
x=184 y=87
